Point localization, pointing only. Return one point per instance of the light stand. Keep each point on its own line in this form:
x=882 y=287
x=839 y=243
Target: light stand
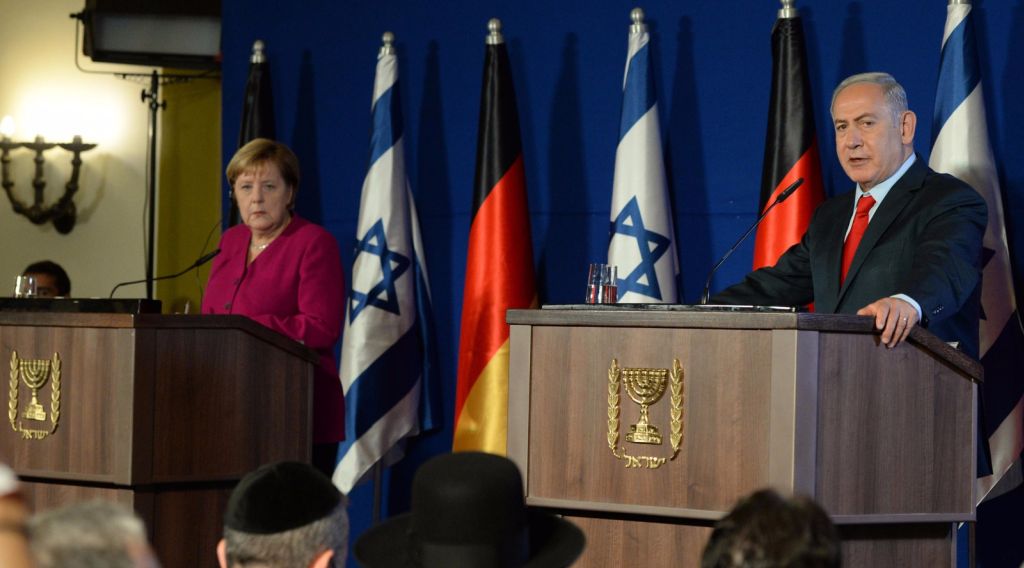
x=152 y=96
x=154 y=106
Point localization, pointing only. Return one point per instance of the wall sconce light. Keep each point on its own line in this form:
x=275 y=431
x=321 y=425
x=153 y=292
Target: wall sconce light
x=61 y=213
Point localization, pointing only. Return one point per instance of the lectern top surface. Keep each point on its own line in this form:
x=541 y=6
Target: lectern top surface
x=678 y=308
x=729 y=317
x=131 y=306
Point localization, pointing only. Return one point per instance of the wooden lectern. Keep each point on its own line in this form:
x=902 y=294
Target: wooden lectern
x=162 y=413
x=645 y=426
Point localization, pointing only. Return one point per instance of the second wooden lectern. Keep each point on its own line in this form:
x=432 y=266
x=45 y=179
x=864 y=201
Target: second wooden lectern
x=646 y=426
x=162 y=413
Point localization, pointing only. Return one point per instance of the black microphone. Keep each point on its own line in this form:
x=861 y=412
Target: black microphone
x=199 y=262
x=782 y=197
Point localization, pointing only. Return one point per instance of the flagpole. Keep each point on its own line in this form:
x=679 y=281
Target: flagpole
x=387 y=48
x=378 y=492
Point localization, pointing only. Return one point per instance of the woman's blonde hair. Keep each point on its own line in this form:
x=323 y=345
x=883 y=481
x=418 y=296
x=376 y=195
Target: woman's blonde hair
x=259 y=152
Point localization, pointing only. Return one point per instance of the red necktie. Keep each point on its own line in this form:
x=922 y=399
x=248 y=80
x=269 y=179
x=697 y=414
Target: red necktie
x=860 y=224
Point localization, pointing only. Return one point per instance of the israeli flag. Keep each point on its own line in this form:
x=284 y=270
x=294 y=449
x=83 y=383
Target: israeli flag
x=961 y=148
x=386 y=352
x=642 y=242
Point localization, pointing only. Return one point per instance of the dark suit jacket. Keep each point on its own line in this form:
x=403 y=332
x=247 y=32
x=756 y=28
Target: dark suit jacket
x=923 y=241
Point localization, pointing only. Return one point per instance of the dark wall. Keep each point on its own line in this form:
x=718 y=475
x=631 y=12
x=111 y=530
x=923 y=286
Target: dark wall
x=712 y=61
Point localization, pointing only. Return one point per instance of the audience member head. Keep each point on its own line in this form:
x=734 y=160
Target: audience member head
x=90 y=534
x=284 y=515
x=468 y=511
x=14 y=551
x=766 y=530
x=51 y=280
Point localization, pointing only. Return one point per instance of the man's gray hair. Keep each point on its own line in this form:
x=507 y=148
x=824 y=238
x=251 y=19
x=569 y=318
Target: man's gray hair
x=297 y=547
x=895 y=95
x=90 y=534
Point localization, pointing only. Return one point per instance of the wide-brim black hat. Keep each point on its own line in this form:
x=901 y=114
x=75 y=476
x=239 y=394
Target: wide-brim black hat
x=468 y=512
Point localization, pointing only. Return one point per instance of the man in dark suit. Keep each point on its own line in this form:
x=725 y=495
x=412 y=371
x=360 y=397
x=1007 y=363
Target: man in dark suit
x=904 y=246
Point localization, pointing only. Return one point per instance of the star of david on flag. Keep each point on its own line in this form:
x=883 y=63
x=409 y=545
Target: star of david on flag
x=388 y=362
x=642 y=240
x=392 y=266
x=651 y=246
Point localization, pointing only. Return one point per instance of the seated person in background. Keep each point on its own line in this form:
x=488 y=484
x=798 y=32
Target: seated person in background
x=90 y=534
x=14 y=552
x=285 y=515
x=767 y=530
x=51 y=280
x=284 y=272
x=468 y=511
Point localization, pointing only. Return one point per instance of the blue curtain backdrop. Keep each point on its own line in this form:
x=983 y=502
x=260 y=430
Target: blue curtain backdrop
x=712 y=62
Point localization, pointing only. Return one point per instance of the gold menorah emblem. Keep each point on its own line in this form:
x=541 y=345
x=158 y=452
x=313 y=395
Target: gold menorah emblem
x=645 y=387
x=34 y=373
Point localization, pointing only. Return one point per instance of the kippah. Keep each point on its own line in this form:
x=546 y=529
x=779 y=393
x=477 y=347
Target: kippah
x=280 y=497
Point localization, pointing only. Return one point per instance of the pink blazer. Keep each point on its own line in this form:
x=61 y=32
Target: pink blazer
x=295 y=287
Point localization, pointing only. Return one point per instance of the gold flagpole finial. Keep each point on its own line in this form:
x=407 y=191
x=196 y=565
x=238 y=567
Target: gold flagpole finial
x=637 y=17
x=494 y=36
x=388 y=47
x=788 y=10
x=258 y=55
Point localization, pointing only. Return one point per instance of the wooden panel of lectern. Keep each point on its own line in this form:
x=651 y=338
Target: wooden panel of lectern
x=162 y=413
x=883 y=438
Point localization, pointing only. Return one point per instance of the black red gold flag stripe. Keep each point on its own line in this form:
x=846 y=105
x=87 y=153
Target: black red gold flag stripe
x=499 y=267
x=791 y=147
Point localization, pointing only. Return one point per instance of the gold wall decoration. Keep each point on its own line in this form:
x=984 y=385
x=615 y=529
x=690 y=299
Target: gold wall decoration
x=645 y=387
x=34 y=374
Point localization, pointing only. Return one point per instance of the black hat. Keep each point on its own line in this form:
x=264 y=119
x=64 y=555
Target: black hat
x=468 y=512
x=280 y=497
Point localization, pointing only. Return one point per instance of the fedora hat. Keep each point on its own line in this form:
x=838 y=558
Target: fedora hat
x=468 y=512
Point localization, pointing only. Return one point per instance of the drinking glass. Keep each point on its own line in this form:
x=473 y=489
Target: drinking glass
x=601 y=284
x=25 y=287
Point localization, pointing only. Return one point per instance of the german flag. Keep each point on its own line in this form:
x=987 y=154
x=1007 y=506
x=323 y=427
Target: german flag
x=499 y=268
x=791 y=147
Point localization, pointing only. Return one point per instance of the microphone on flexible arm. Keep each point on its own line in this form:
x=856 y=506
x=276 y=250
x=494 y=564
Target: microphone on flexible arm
x=199 y=262
x=782 y=197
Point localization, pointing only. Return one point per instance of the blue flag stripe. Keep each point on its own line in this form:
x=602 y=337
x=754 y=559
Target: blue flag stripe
x=387 y=123
x=959 y=73
x=1000 y=391
x=398 y=368
x=638 y=95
